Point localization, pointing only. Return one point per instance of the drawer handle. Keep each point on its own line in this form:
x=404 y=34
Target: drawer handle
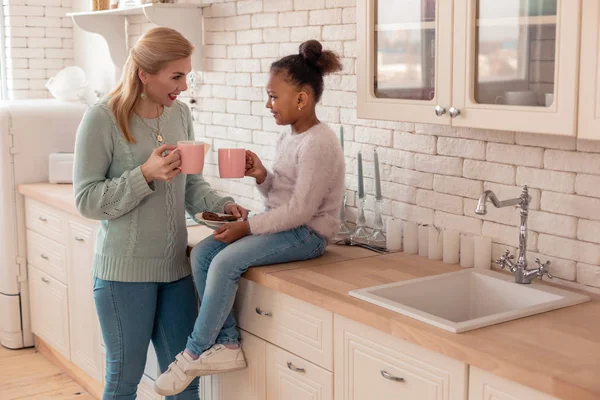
x=391 y=377
x=263 y=313
x=79 y=239
x=45 y=280
x=45 y=257
x=43 y=219
x=294 y=368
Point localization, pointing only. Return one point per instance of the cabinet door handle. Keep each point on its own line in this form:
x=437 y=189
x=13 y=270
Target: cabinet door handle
x=79 y=239
x=263 y=313
x=294 y=368
x=43 y=219
x=391 y=377
x=439 y=110
x=45 y=280
x=454 y=112
x=45 y=257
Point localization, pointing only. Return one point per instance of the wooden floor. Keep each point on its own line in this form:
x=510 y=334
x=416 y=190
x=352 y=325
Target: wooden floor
x=26 y=374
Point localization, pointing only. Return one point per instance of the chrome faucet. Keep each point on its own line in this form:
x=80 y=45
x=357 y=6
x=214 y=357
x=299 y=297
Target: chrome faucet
x=519 y=269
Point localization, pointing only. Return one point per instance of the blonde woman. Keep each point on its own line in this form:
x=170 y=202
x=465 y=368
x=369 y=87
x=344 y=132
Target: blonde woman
x=127 y=176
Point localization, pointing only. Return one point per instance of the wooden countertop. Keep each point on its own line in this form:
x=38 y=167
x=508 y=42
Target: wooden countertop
x=557 y=352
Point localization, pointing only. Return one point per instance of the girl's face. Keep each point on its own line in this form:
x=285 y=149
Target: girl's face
x=164 y=87
x=284 y=100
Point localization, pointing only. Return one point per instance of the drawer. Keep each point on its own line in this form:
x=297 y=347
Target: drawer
x=49 y=310
x=45 y=220
x=370 y=364
x=47 y=255
x=289 y=323
x=486 y=386
x=292 y=377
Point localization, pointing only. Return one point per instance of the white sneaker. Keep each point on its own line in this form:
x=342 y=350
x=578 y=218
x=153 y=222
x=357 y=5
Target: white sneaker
x=217 y=359
x=174 y=380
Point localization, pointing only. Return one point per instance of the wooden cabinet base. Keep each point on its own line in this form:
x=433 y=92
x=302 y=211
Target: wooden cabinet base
x=93 y=387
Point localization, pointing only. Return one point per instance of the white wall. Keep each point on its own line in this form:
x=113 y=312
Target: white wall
x=431 y=174
x=38 y=44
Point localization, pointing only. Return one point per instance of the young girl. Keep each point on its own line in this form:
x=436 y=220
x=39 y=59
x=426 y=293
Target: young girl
x=303 y=196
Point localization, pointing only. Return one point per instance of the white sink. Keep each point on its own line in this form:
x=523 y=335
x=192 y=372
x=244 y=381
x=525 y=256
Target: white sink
x=469 y=299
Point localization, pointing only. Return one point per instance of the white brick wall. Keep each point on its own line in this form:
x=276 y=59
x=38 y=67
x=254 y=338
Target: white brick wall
x=39 y=42
x=431 y=174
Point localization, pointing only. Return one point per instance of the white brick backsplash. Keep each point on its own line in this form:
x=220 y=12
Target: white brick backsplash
x=440 y=201
x=487 y=135
x=559 y=268
x=588 y=274
x=248 y=93
x=56 y=11
x=17 y=63
x=506 y=216
x=249 y=122
x=44 y=63
x=509 y=235
x=238 y=107
x=239 y=79
x=259 y=80
x=45 y=43
x=215 y=105
x=549 y=180
x=339 y=99
x=265 y=138
x=572 y=161
x=239 y=135
x=588 y=231
x=37 y=84
x=416 y=143
x=15 y=21
x=439 y=164
x=221 y=10
x=16 y=84
x=276 y=35
x=278 y=5
x=587 y=185
x=397 y=158
x=59 y=53
x=339 y=32
x=381 y=137
x=349 y=15
x=301 y=34
x=409 y=212
x=457 y=222
x=66 y=22
x=219 y=37
x=405 y=194
x=340 y=3
x=25 y=73
x=25 y=53
x=49 y=22
x=553 y=224
x=265 y=20
x=308 y=4
x=23 y=10
x=577 y=206
x=221 y=65
x=329 y=114
x=349 y=49
x=50 y=3
x=473 y=149
x=259 y=108
x=215 y=78
x=249 y=6
x=569 y=249
x=216 y=51
x=295 y=18
x=247 y=65
x=249 y=37
x=438 y=130
x=244 y=51
x=15 y=42
x=505 y=192
x=225 y=119
x=25 y=32
x=59 y=32
x=326 y=17
x=457 y=186
x=546 y=141
x=223 y=92
x=515 y=155
x=67 y=43
x=487 y=171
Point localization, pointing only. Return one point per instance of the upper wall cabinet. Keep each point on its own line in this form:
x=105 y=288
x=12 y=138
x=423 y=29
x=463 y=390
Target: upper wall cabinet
x=589 y=91
x=509 y=65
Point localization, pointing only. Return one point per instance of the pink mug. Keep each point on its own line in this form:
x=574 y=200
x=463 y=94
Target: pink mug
x=232 y=163
x=192 y=156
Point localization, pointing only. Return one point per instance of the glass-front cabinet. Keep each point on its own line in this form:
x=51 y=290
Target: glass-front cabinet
x=589 y=81
x=508 y=65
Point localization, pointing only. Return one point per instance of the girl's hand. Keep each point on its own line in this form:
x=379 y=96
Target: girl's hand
x=236 y=210
x=255 y=168
x=232 y=231
x=159 y=168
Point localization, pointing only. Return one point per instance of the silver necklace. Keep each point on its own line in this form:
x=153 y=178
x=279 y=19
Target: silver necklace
x=159 y=137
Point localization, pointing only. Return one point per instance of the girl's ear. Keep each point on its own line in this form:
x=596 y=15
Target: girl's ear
x=302 y=100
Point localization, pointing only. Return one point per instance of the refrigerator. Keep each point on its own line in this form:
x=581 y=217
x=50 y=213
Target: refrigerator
x=29 y=131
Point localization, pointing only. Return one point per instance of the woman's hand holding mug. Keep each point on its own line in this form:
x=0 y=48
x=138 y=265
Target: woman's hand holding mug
x=255 y=168
x=159 y=168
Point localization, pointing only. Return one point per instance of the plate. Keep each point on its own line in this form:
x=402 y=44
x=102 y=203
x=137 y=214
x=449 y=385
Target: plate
x=212 y=224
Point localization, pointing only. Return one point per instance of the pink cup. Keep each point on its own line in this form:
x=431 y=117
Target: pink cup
x=232 y=163
x=192 y=156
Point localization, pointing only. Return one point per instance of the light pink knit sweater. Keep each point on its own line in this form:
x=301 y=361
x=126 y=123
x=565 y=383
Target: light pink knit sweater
x=306 y=185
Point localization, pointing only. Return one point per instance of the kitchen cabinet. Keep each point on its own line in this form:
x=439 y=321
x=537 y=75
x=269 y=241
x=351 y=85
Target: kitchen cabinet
x=510 y=65
x=486 y=386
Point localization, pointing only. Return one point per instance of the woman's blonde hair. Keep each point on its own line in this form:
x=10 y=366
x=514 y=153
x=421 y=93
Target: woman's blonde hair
x=151 y=53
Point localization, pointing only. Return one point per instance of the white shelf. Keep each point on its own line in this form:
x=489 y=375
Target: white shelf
x=514 y=21
x=111 y=24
